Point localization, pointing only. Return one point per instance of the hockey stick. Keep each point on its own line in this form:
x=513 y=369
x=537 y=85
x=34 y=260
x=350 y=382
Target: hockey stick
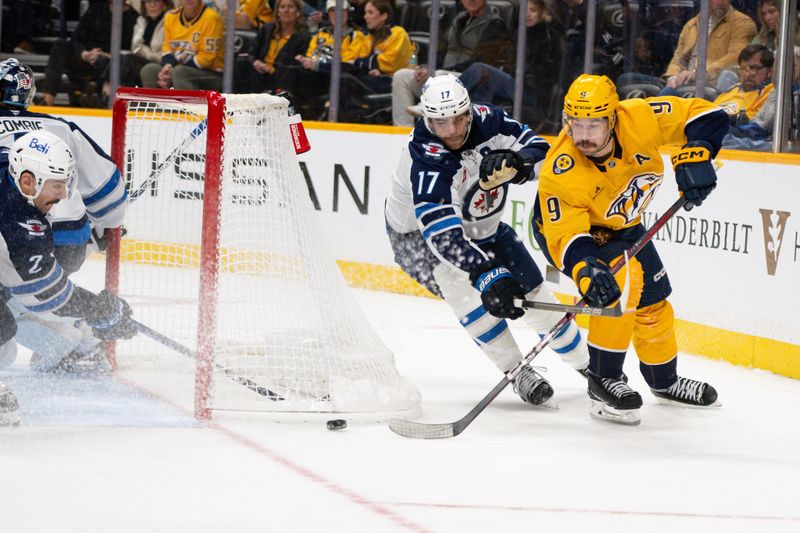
x=151 y=179
x=180 y=348
x=421 y=430
x=615 y=310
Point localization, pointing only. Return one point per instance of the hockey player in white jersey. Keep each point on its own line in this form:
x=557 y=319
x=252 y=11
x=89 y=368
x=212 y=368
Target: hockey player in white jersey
x=102 y=201
x=36 y=174
x=443 y=220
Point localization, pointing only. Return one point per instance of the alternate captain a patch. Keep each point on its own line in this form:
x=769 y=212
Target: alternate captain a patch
x=563 y=163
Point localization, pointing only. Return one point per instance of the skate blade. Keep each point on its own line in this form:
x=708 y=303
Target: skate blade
x=9 y=419
x=626 y=417
x=673 y=403
x=548 y=405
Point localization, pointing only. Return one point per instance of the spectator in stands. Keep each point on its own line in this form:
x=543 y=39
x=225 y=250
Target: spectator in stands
x=477 y=35
x=757 y=133
x=385 y=50
x=251 y=14
x=745 y=98
x=769 y=14
x=314 y=80
x=192 y=54
x=148 y=38
x=85 y=57
x=22 y=20
x=489 y=84
x=273 y=65
x=730 y=31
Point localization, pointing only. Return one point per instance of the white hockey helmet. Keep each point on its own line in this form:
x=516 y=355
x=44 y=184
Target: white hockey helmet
x=44 y=155
x=444 y=97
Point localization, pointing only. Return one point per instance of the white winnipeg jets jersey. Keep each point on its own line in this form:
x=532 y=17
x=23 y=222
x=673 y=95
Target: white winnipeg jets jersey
x=101 y=191
x=435 y=190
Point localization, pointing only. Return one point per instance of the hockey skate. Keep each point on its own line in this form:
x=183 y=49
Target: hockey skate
x=585 y=373
x=533 y=388
x=613 y=400
x=89 y=362
x=687 y=392
x=8 y=407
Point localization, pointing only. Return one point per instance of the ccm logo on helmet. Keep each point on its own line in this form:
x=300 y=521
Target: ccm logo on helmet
x=39 y=146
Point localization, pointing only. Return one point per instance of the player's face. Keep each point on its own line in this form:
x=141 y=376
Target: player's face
x=589 y=135
x=452 y=130
x=753 y=73
x=53 y=191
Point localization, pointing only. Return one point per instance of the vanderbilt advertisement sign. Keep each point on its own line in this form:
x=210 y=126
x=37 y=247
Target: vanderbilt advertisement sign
x=774 y=225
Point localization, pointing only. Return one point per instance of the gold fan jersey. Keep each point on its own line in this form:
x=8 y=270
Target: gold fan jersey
x=258 y=11
x=737 y=100
x=576 y=194
x=389 y=55
x=197 y=42
x=351 y=43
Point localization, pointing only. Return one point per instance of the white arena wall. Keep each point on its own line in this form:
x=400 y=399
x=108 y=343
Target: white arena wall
x=734 y=263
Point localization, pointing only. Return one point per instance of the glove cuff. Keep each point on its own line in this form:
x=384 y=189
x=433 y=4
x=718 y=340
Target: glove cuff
x=485 y=279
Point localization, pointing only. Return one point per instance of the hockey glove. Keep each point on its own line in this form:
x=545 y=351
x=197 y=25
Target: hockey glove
x=595 y=282
x=498 y=289
x=501 y=166
x=694 y=172
x=109 y=317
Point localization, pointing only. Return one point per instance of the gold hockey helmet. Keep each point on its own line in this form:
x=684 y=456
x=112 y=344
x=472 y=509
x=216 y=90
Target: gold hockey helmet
x=591 y=96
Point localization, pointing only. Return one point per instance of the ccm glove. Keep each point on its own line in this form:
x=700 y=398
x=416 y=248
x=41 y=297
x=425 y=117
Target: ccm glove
x=501 y=166
x=110 y=318
x=595 y=282
x=498 y=289
x=694 y=172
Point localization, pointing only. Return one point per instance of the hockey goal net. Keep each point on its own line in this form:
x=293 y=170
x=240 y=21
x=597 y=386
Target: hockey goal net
x=224 y=254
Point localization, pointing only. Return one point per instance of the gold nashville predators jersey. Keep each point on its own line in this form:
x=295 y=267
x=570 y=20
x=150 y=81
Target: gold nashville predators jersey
x=737 y=100
x=575 y=193
x=197 y=42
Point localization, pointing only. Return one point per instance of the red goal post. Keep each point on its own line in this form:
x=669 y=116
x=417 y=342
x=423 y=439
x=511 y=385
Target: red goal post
x=223 y=253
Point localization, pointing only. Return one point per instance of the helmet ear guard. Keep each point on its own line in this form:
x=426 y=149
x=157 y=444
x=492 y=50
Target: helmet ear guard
x=46 y=157
x=17 y=86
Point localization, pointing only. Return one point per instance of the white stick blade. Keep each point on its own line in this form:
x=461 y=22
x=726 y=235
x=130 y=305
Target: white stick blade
x=418 y=430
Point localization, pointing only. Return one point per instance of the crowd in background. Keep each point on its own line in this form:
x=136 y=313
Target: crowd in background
x=648 y=47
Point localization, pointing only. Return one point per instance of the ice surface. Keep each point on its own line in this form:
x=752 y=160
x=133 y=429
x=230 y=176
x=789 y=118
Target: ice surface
x=123 y=454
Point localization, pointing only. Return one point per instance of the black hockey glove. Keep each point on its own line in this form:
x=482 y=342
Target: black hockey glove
x=694 y=172
x=99 y=237
x=595 y=282
x=498 y=289
x=501 y=166
x=109 y=317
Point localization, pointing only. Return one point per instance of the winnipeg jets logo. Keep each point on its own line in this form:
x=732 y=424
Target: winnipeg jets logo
x=484 y=202
x=480 y=204
x=34 y=227
x=634 y=199
x=482 y=111
x=434 y=150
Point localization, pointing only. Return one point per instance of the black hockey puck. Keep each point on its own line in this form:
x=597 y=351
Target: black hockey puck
x=337 y=424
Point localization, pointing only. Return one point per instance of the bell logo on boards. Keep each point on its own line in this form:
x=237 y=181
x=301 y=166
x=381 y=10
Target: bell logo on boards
x=774 y=225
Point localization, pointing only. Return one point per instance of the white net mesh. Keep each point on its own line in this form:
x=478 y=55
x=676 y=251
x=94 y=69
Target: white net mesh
x=285 y=320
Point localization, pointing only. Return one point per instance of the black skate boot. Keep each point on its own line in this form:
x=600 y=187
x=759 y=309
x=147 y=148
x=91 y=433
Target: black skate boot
x=532 y=387
x=613 y=400
x=688 y=392
x=585 y=373
x=8 y=407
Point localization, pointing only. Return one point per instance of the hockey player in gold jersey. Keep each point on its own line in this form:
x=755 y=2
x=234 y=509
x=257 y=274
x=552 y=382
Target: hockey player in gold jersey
x=597 y=179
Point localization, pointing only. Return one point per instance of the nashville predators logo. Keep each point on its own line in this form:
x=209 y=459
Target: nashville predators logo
x=634 y=199
x=562 y=164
